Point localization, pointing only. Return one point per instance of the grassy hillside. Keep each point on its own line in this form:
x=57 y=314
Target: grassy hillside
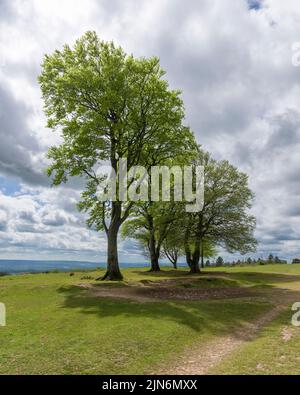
x=57 y=323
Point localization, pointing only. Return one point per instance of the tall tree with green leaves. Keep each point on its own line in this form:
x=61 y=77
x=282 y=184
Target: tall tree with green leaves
x=224 y=219
x=107 y=106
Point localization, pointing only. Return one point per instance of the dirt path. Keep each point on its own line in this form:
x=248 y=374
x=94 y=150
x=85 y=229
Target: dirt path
x=201 y=360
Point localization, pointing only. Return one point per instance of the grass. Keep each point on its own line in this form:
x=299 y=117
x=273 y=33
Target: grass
x=56 y=327
x=275 y=351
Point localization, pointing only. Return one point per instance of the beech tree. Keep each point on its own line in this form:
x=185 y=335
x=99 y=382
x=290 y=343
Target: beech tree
x=172 y=246
x=108 y=105
x=152 y=221
x=224 y=219
x=150 y=226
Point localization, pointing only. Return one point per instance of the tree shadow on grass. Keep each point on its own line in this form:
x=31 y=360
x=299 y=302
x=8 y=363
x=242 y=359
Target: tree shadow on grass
x=259 y=278
x=251 y=277
x=216 y=317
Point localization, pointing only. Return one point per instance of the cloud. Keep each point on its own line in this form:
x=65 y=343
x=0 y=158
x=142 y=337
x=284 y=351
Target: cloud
x=231 y=59
x=17 y=144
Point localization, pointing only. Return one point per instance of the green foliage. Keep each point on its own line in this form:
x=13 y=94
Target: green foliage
x=108 y=105
x=151 y=220
x=219 y=261
x=227 y=198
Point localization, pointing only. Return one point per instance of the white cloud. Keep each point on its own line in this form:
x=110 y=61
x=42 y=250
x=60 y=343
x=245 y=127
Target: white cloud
x=240 y=89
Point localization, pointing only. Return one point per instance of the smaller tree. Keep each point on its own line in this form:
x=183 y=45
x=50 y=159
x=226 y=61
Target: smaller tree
x=150 y=226
x=271 y=259
x=224 y=219
x=249 y=261
x=219 y=261
x=172 y=247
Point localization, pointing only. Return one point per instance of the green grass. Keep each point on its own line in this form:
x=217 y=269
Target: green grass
x=270 y=353
x=211 y=282
x=55 y=327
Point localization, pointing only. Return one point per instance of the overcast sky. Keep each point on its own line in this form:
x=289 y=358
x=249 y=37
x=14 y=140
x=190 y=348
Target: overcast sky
x=232 y=59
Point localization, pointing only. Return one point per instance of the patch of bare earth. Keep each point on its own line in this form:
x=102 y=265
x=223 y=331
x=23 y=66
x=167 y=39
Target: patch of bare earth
x=159 y=293
x=287 y=333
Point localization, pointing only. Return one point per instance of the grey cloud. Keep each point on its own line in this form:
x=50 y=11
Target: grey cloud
x=30 y=228
x=293 y=211
x=54 y=219
x=27 y=216
x=6 y=10
x=17 y=143
x=286 y=130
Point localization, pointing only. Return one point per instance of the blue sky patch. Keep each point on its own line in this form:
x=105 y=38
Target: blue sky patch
x=254 y=4
x=9 y=186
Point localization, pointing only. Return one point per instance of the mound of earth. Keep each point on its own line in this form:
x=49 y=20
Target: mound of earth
x=167 y=290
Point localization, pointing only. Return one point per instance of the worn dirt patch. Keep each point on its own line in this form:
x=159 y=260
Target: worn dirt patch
x=184 y=289
x=149 y=293
x=287 y=334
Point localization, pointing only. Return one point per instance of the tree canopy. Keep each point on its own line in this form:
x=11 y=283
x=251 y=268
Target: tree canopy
x=108 y=105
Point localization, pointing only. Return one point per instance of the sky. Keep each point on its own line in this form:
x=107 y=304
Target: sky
x=232 y=59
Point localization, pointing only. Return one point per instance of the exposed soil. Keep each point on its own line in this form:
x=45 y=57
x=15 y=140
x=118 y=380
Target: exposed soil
x=148 y=291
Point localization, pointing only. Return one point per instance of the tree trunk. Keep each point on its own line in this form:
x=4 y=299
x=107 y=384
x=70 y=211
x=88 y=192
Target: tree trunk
x=188 y=258
x=154 y=264
x=202 y=256
x=113 y=271
x=175 y=263
x=154 y=254
x=195 y=260
x=187 y=249
x=194 y=268
x=175 y=257
x=154 y=251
